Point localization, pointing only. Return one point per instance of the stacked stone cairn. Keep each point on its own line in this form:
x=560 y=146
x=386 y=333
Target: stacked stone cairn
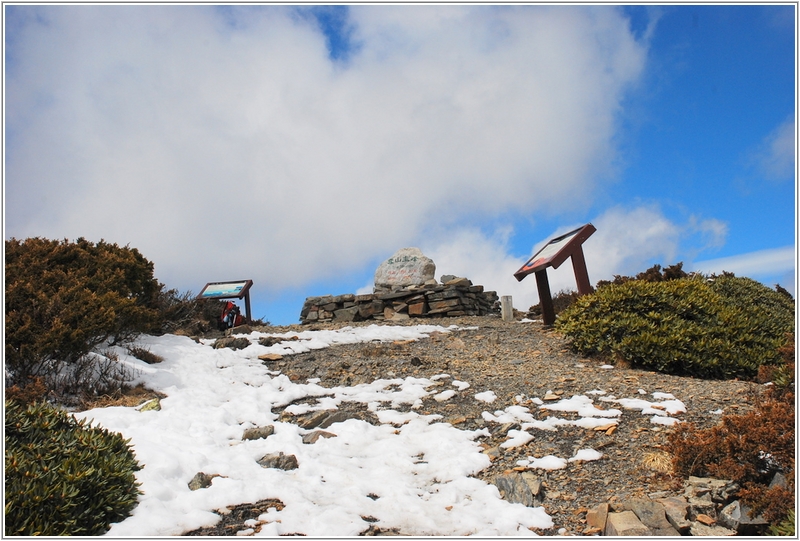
x=405 y=287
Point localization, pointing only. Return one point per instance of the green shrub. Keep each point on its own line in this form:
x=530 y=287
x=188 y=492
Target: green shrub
x=721 y=327
x=65 y=299
x=63 y=477
x=786 y=527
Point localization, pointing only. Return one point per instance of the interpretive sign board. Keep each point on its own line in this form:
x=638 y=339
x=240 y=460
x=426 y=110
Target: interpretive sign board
x=556 y=251
x=239 y=289
x=553 y=254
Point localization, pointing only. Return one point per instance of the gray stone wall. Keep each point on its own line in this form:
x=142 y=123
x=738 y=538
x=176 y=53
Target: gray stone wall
x=455 y=297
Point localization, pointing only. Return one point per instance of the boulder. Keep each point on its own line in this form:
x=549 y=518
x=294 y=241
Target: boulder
x=269 y=341
x=778 y=480
x=407 y=267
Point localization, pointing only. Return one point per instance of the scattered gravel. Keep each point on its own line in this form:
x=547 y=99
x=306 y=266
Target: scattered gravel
x=519 y=362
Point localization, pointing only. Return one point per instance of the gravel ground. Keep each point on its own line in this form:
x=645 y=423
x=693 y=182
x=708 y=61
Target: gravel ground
x=526 y=360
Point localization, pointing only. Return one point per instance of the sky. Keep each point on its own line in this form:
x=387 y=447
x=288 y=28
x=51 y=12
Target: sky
x=300 y=147
x=412 y=471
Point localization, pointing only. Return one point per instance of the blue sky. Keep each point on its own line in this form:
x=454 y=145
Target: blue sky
x=300 y=147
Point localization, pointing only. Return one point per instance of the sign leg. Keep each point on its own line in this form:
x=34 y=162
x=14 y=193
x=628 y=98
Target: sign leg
x=545 y=299
x=581 y=274
x=247 y=307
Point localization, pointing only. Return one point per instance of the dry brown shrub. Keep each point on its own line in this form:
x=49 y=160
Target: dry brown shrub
x=657 y=461
x=743 y=448
x=773 y=503
x=128 y=397
x=145 y=355
x=33 y=391
x=749 y=449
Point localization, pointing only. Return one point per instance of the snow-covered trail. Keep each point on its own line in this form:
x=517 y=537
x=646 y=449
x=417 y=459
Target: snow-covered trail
x=411 y=472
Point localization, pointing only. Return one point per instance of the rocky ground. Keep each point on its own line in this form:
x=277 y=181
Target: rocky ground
x=520 y=361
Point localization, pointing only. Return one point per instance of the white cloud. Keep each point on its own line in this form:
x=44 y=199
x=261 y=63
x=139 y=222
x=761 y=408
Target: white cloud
x=775 y=157
x=773 y=261
x=483 y=258
x=627 y=241
x=225 y=143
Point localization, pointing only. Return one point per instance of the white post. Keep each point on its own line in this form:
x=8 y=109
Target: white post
x=506 y=308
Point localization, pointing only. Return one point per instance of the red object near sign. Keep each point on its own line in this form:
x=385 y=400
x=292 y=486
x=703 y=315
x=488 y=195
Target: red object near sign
x=239 y=289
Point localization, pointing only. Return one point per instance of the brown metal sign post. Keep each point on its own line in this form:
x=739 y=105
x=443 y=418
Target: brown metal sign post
x=553 y=254
x=229 y=290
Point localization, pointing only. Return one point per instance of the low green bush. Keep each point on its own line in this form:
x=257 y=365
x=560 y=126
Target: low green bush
x=786 y=527
x=63 y=477
x=718 y=327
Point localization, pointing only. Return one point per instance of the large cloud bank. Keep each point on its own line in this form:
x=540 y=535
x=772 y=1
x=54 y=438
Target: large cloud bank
x=226 y=141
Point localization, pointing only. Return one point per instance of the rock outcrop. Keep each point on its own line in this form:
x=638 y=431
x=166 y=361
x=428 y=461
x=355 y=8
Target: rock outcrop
x=706 y=508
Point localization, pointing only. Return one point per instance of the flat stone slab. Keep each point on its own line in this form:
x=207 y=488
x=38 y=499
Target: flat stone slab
x=652 y=514
x=676 y=510
x=701 y=530
x=312 y=437
x=626 y=524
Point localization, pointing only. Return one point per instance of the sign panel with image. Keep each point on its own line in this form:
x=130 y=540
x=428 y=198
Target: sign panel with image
x=556 y=251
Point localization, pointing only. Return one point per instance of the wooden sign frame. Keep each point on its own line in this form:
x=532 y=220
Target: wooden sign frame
x=236 y=289
x=553 y=254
